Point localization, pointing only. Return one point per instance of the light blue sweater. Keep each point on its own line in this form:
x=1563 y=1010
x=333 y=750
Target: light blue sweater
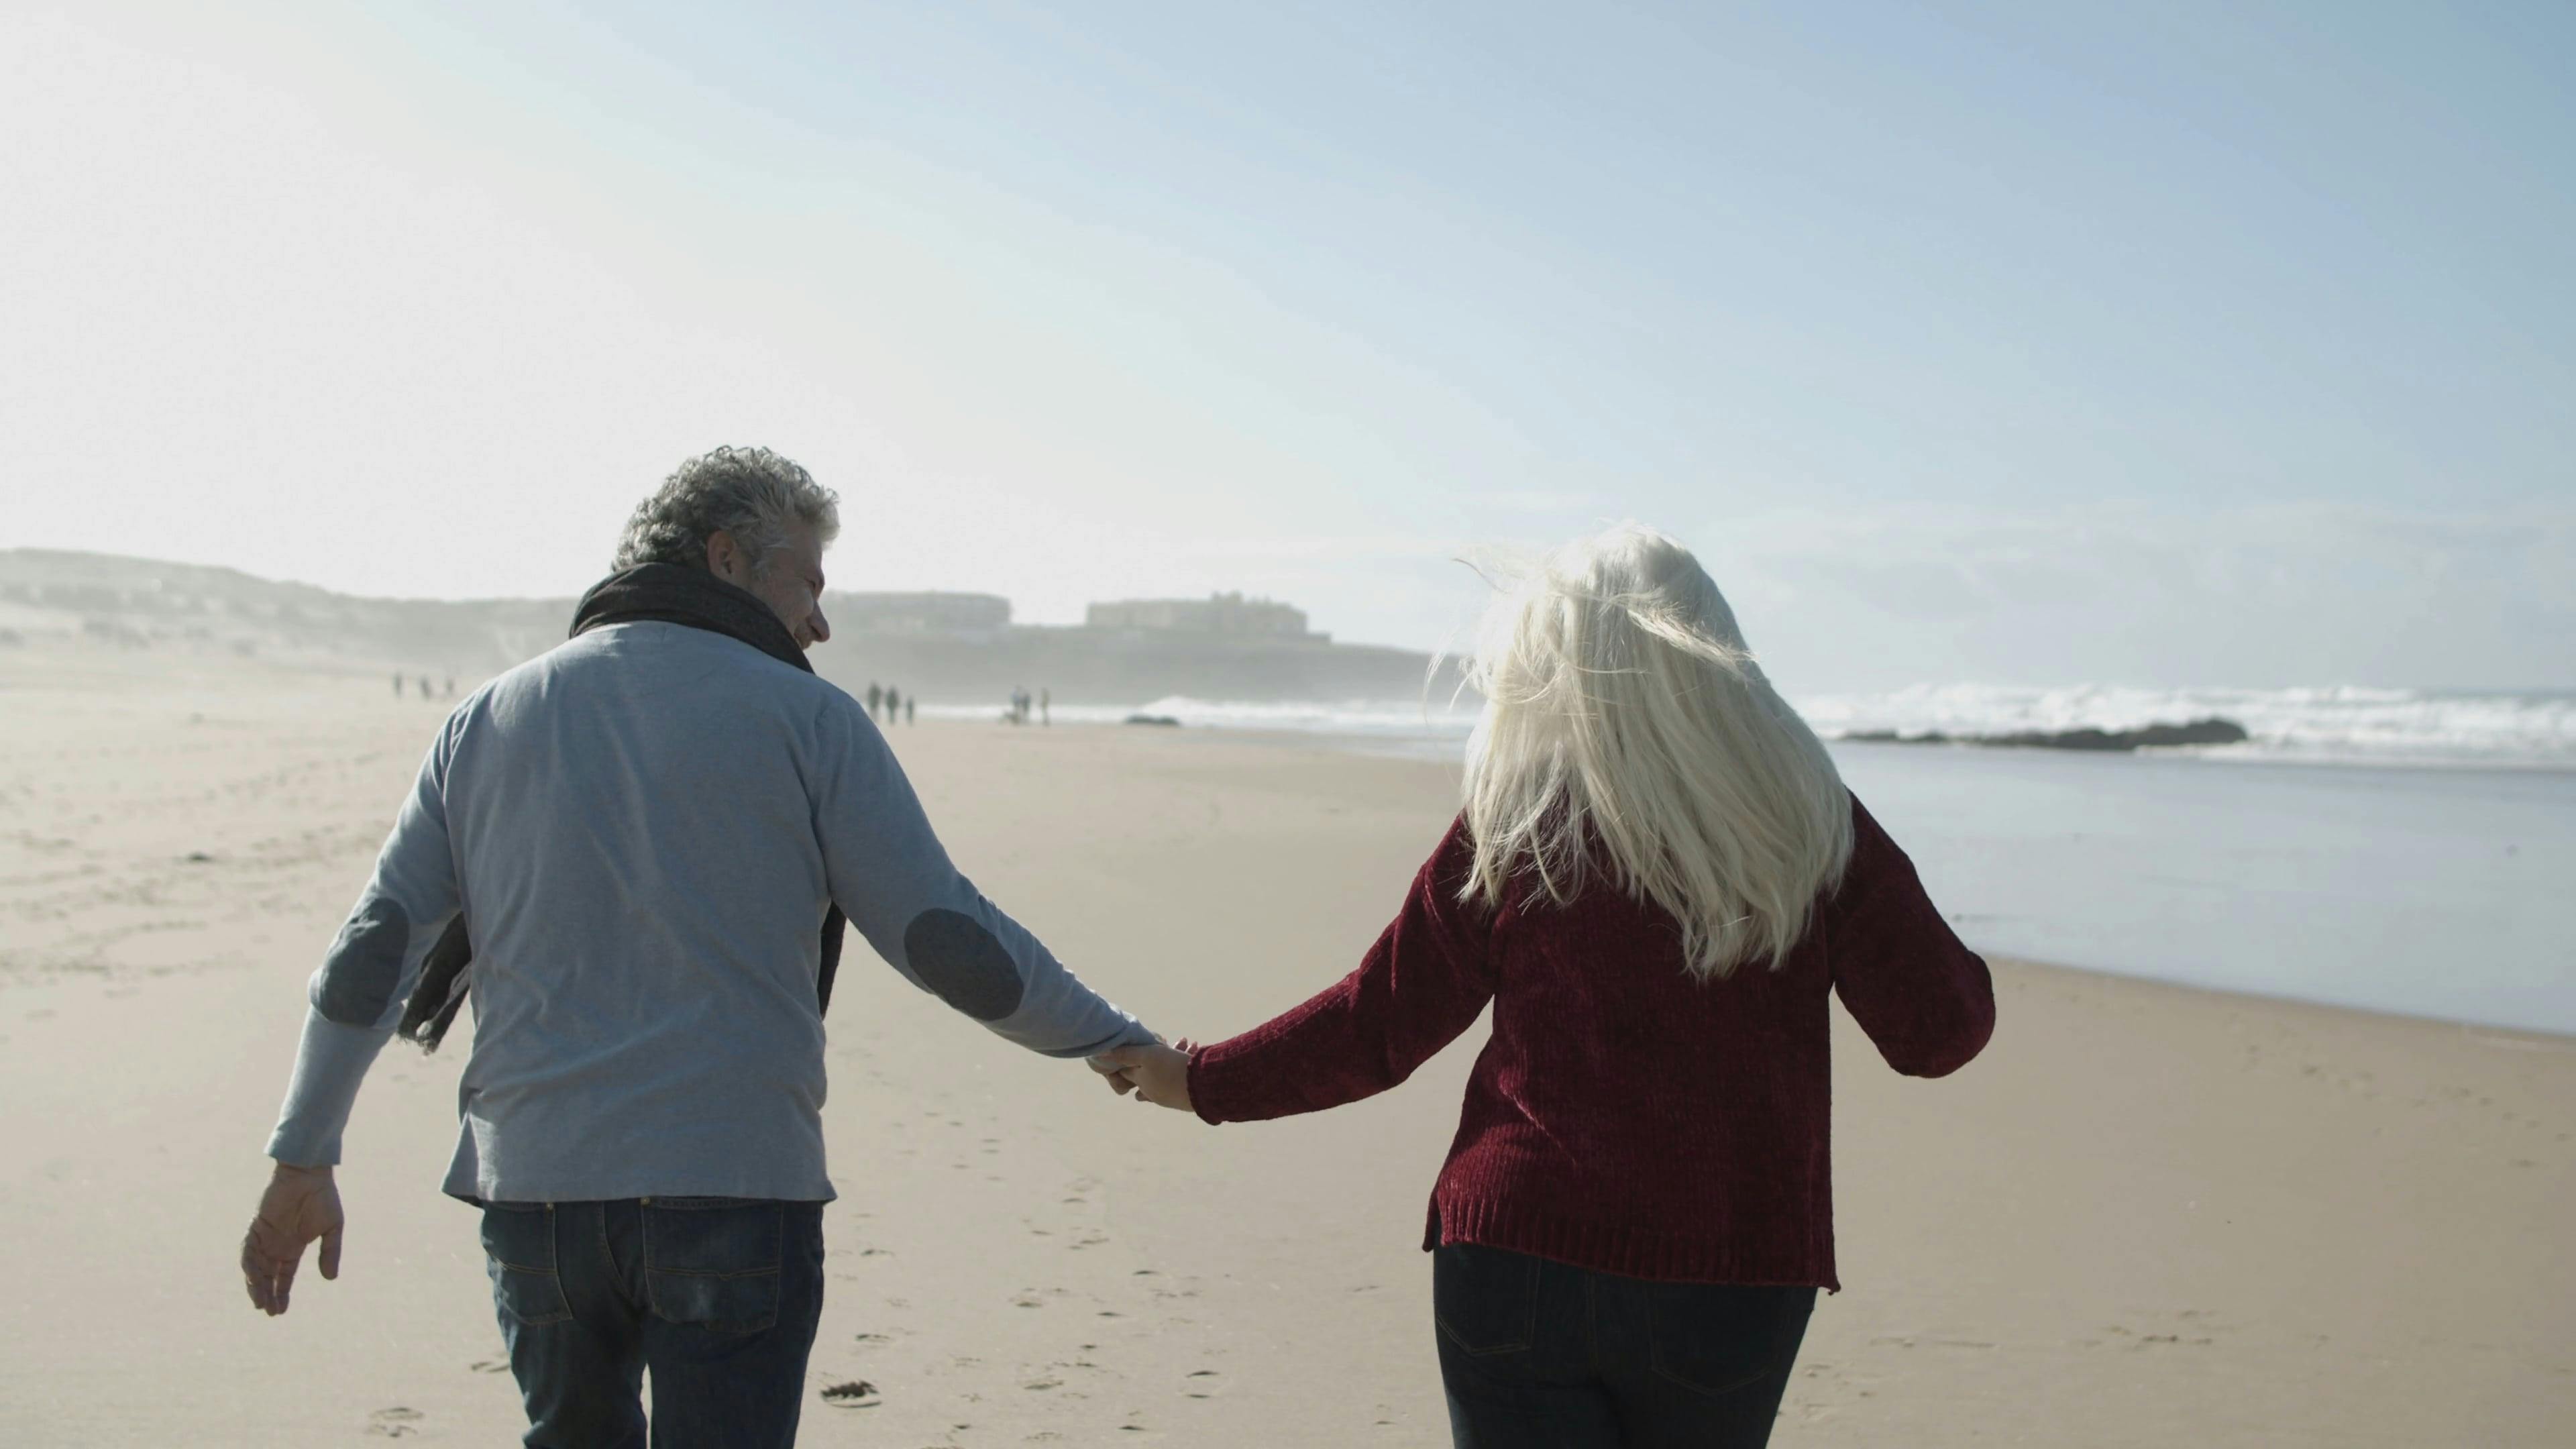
x=643 y=828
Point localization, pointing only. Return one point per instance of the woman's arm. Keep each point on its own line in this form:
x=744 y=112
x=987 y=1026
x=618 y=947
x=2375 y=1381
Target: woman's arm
x=1422 y=984
x=1923 y=997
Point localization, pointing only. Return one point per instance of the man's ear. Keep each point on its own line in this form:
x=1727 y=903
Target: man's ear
x=725 y=557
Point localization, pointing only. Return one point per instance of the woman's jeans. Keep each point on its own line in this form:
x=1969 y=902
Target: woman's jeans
x=1535 y=1353
x=717 y=1296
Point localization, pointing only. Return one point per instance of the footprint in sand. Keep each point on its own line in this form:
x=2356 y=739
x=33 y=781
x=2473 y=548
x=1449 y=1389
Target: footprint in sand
x=394 y=1423
x=1197 y=1386
x=488 y=1366
x=2135 y=1340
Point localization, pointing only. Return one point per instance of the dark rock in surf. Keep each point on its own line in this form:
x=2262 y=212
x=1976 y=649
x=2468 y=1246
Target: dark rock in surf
x=2211 y=731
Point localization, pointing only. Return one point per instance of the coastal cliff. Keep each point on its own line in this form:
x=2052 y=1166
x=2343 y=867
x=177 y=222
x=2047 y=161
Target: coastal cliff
x=118 y=603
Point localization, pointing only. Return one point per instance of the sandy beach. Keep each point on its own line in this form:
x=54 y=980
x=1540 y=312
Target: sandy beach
x=2146 y=1216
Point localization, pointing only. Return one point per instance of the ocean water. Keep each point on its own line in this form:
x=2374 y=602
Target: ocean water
x=2396 y=850
x=1439 y=732
x=2428 y=892
x=2343 y=725
x=2338 y=725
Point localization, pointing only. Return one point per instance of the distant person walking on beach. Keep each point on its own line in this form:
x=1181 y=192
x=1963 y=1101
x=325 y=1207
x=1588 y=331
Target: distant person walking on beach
x=650 y=822
x=876 y=697
x=1046 y=702
x=1658 y=880
x=909 y=701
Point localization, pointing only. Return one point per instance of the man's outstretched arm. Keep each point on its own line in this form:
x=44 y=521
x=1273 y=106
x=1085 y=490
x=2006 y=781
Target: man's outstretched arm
x=888 y=871
x=352 y=1004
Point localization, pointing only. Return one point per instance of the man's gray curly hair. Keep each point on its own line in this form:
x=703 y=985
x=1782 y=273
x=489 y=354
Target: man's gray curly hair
x=752 y=493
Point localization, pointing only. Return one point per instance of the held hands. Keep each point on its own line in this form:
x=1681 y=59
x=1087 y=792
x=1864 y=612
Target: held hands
x=1156 y=1073
x=300 y=1205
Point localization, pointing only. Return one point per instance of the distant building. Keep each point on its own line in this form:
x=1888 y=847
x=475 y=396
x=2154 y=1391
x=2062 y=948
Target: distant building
x=1229 y=615
x=918 y=613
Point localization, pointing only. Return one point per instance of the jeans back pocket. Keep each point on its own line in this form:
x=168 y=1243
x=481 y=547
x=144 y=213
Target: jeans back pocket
x=1485 y=1300
x=714 y=1261
x=519 y=1241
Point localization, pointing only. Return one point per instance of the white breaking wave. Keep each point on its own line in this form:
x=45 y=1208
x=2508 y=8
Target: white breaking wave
x=2340 y=724
x=2335 y=724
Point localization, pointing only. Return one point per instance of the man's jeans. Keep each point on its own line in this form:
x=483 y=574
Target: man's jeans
x=717 y=1296
x=1539 y=1355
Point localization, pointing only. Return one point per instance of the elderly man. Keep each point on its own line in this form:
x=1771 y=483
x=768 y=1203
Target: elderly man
x=625 y=846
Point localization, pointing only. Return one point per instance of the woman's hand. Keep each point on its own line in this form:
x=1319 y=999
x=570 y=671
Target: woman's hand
x=1160 y=1074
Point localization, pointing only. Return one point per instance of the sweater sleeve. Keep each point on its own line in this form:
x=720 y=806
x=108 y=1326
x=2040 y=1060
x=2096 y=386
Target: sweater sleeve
x=357 y=996
x=1423 y=983
x=887 y=870
x=1923 y=997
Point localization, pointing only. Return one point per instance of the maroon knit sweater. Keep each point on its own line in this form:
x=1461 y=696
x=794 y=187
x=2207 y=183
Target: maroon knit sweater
x=1625 y=1116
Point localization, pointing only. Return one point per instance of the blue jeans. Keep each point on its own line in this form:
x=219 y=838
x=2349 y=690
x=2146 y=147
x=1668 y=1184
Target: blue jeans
x=1534 y=1353
x=717 y=1296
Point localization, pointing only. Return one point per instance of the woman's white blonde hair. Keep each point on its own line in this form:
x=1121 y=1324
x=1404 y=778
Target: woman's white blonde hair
x=1628 y=730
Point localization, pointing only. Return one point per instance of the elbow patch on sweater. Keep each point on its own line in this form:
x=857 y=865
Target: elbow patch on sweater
x=365 y=964
x=963 y=965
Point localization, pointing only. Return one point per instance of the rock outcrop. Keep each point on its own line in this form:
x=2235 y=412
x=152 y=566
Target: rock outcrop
x=2211 y=731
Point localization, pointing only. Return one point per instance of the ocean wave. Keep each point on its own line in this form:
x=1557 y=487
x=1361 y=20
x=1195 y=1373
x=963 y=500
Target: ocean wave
x=2353 y=724
x=2324 y=724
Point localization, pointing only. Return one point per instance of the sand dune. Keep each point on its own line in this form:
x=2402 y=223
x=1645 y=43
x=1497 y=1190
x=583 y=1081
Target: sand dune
x=2148 y=1216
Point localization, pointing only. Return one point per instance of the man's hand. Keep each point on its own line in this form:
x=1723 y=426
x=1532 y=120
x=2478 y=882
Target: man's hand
x=1115 y=1079
x=301 y=1204
x=1159 y=1074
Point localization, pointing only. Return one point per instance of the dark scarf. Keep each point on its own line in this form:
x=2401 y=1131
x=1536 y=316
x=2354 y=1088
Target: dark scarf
x=670 y=594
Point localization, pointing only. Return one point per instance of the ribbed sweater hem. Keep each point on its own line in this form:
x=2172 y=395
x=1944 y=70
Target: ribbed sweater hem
x=1630 y=1252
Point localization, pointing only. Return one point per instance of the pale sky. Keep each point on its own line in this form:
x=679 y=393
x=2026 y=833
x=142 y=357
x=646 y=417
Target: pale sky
x=2044 y=343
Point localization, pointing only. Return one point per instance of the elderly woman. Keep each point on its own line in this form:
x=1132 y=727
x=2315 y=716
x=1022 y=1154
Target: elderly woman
x=1657 y=880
